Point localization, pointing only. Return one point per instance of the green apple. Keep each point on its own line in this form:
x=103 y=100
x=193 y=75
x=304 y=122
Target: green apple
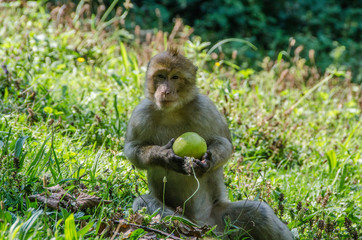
x=190 y=144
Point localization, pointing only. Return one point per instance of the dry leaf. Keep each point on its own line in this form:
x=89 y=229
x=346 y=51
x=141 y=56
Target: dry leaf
x=87 y=201
x=124 y=228
x=128 y=232
x=123 y=224
x=60 y=198
x=190 y=231
x=55 y=189
x=52 y=201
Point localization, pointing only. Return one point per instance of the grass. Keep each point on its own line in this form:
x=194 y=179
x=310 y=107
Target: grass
x=68 y=85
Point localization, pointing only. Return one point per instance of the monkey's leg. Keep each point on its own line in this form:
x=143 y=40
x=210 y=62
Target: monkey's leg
x=152 y=204
x=255 y=219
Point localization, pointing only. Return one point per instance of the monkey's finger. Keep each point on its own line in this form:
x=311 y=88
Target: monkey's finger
x=178 y=159
x=207 y=155
x=204 y=164
x=180 y=169
x=169 y=144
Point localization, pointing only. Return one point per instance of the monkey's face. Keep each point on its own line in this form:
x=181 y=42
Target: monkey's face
x=170 y=81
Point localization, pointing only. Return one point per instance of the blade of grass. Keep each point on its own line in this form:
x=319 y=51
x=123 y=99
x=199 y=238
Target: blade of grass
x=27 y=226
x=95 y=165
x=332 y=160
x=55 y=157
x=115 y=105
x=136 y=70
x=346 y=143
x=343 y=178
x=14 y=229
x=6 y=95
x=5 y=147
x=41 y=164
x=34 y=164
x=70 y=231
x=53 y=172
x=19 y=146
x=77 y=11
x=231 y=40
x=105 y=15
x=100 y=217
x=226 y=41
x=85 y=229
x=57 y=163
x=326 y=79
x=280 y=56
x=115 y=19
x=124 y=58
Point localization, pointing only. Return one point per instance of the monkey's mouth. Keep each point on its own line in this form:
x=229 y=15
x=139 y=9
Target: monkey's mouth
x=167 y=102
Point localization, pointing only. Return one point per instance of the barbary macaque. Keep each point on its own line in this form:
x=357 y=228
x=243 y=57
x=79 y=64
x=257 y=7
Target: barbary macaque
x=173 y=106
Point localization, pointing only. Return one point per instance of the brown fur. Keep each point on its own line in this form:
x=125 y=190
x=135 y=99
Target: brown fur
x=155 y=121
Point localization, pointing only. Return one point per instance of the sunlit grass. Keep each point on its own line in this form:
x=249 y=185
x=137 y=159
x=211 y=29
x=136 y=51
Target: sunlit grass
x=66 y=96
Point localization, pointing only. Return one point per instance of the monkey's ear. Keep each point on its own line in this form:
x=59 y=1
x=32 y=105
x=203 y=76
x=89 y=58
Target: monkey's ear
x=173 y=50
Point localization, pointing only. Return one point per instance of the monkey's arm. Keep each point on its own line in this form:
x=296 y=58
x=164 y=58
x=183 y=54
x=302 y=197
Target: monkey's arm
x=217 y=154
x=138 y=154
x=221 y=150
x=144 y=154
x=216 y=134
x=152 y=155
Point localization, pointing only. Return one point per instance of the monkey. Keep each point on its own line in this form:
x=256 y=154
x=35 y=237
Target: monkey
x=173 y=106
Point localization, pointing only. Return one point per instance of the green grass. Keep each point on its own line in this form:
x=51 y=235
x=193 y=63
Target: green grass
x=68 y=86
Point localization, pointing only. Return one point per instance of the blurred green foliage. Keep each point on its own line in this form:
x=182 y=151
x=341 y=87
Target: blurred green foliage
x=333 y=28
x=68 y=85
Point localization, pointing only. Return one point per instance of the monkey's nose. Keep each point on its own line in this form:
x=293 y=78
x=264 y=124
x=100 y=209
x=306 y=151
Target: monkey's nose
x=165 y=93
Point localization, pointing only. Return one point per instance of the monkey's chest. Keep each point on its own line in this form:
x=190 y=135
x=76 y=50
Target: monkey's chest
x=163 y=133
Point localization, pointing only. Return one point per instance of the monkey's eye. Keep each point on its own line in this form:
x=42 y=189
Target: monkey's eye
x=174 y=77
x=161 y=76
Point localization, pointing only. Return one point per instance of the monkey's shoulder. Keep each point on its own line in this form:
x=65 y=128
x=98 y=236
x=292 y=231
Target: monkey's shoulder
x=203 y=107
x=142 y=113
x=206 y=119
x=145 y=108
x=203 y=102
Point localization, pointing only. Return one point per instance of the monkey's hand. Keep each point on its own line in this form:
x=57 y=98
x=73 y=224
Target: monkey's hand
x=203 y=165
x=168 y=159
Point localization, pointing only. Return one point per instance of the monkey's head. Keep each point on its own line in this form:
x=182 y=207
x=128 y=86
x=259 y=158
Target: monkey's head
x=170 y=80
